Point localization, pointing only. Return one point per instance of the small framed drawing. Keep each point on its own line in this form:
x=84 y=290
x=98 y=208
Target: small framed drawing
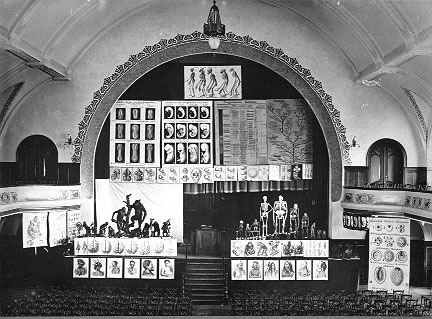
x=271 y=269
x=238 y=269
x=303 y=270
x=98 y=266
x=149 y=268
x=114 y=268
x=320 y=270
x=81 y=268
x=287 y=270
x=166 y=268
x=132 y=268
x=255 y=270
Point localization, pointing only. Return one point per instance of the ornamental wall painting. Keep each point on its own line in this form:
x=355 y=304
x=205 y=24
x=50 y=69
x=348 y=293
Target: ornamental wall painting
x=287 y=270
x=134 y=137
x=289 y=131
x=213 y=82
x=57 y=228
x=114 y=267
x=187 y=137
x=80 y=268
x=166 y=268
x=149 y=268
x=98 y=268
x=35 y=229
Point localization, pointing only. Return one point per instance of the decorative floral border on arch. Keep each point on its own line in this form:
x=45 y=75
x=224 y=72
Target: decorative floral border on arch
x=197 y=36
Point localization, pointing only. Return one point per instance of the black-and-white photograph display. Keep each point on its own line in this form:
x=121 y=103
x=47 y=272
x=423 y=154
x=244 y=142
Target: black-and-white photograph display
x=271 y=269
x=188 y=124
x=213 y=82
x=114 y=267
x=320 y=269
x=238 y=269
x=129 y=137
x=255 y=270
x=287 y=270
x=166 y=268
x=132 y=268
x=98 y=268
x=304 y=269
x=149 y=268
x=81 y=268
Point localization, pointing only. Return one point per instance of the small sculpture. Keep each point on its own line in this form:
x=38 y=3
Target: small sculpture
x=103 y=229
x=120 y=219
x=265 y=209
x=166 y=228
x=280 y=211
x=305 y=225
x=111 y=232
x=240 y=230
x=154 y=228
x=312 y=231
x=255 y=229
x=294 y=219
x=248 y=232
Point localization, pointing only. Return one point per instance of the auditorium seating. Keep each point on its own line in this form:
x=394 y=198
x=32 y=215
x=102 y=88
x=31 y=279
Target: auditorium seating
x=106 y=301
x=327 y=303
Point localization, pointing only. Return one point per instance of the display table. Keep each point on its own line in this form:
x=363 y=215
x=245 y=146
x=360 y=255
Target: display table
x=205 y=241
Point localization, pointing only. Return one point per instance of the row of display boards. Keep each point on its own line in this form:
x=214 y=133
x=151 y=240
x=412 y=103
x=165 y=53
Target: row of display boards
x=283 y=269
x=102 y=246
x=127 y=268
x=312 y=248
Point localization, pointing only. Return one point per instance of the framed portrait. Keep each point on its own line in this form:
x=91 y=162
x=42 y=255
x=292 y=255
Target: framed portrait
x=150 y=114
x=98 y=268
x=135 y=113
x=262 y=248
x=120 y=113
x=80 y=267
x=250 y=249
x=114 y=267
x=275 y=248
x=298 y=248
x=166 y=268
x=149 y=268
x=271 y=269
x=255 y=270
x=238 y=269
x=304 y=269
x=135 y=132
x=287 y=270
x=320 y=269
x=287 y=248
x=132 y=268
x=120 y=131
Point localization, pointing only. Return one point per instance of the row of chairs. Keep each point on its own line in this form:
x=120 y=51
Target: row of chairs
x=90 y=301
x=326 y=303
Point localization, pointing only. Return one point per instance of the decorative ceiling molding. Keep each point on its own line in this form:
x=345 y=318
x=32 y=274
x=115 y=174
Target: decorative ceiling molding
x=15 y=31
x=197 y=43
x=356 y=28
x=418 y=112
x=108 y=27
x=319 y=29
x=5 y=107
x=7 y=78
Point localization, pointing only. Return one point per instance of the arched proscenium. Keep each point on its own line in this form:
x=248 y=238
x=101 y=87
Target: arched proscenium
x=196 y=43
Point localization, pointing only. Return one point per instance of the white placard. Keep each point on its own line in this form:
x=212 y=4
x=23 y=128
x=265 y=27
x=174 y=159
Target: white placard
x=57 y=228
x=35 y=229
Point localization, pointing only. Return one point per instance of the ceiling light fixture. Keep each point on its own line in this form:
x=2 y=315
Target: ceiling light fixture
x=214 y=27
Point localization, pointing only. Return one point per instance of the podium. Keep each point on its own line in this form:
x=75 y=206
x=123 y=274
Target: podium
x=205 y=241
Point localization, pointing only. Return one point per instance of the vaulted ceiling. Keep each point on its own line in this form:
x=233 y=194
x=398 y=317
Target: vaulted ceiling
x=386 y=43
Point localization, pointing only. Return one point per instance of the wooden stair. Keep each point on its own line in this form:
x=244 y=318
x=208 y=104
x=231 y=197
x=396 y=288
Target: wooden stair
x=205 y=279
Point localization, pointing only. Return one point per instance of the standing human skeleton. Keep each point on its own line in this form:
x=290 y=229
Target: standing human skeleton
x=265 y=209
x=280 y=212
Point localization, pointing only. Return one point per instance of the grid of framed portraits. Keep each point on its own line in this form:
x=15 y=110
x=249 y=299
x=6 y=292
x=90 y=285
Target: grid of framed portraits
x=279 y=269
x=149 y=247
x=127 y=268
x=135 y=134
x=187 y=133
x=312 y=248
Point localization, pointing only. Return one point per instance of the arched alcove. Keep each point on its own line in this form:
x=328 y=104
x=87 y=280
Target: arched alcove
x=196 y=43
